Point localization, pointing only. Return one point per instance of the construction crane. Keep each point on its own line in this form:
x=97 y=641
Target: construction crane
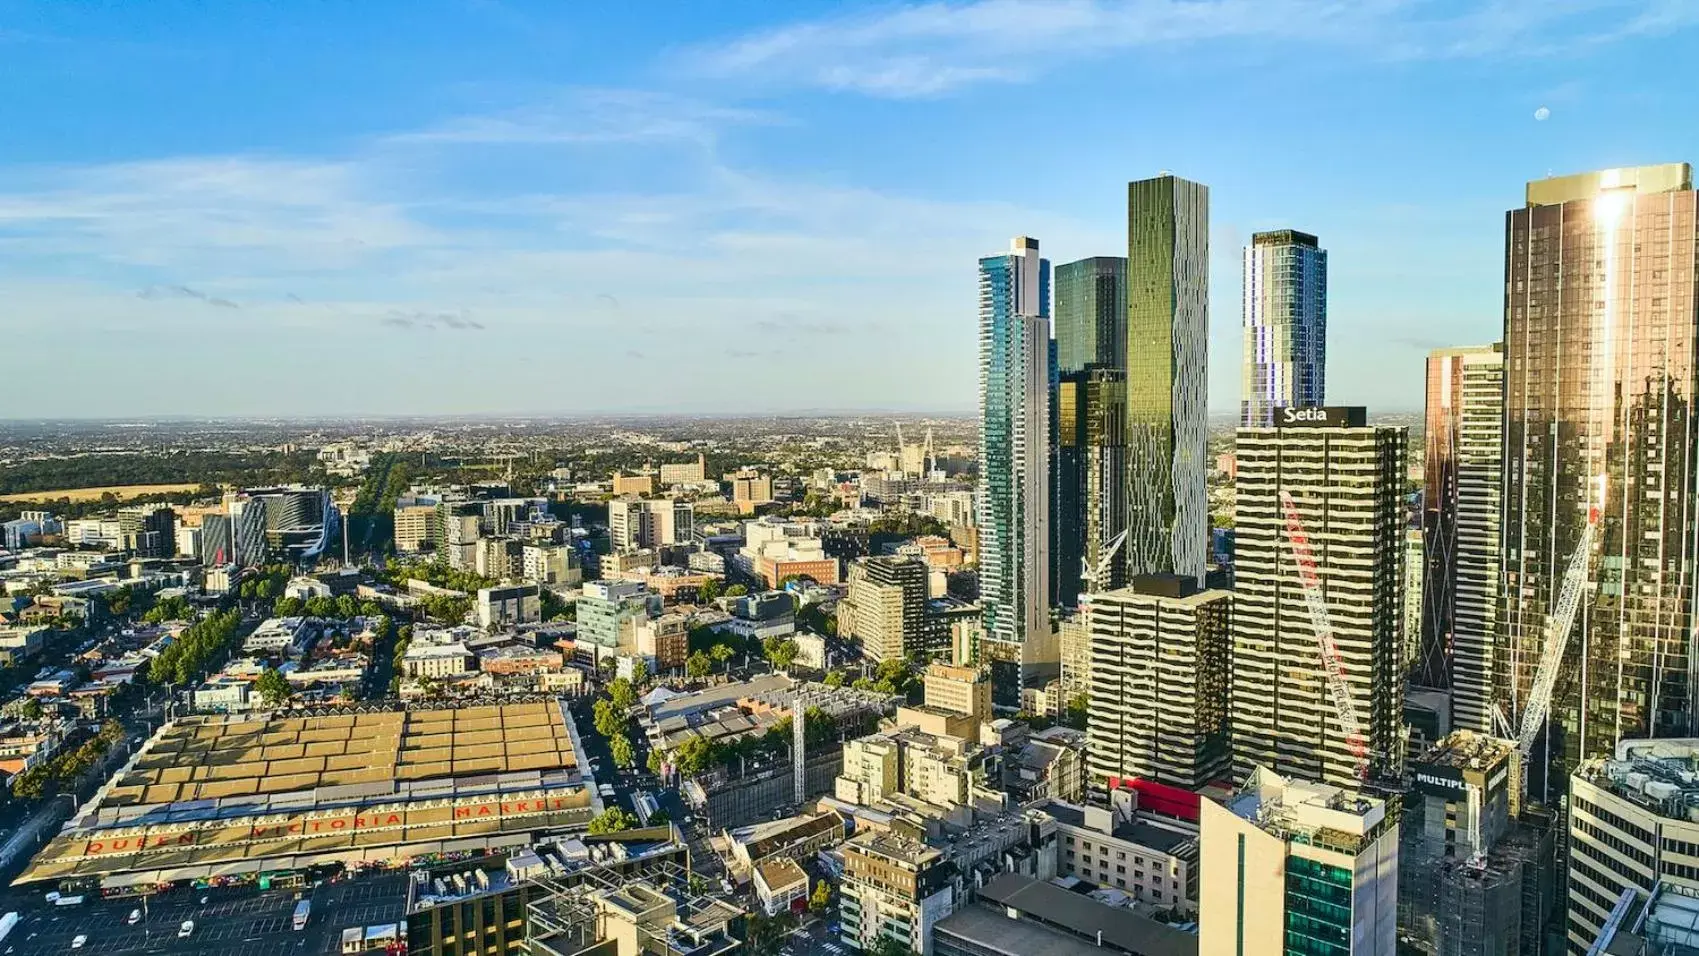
x=1333 y=668
x=1557 y=639
x=1093 y=574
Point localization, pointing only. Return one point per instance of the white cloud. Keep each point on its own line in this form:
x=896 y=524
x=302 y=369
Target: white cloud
x=592 y=117
x=933 y=48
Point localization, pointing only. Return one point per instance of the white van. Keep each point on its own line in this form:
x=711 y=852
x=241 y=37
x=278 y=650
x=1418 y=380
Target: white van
x=186 y=930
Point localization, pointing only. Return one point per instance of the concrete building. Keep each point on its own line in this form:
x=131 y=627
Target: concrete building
x=649 y=522
x=509 y=605
x=750 y=487
x=1463 y=471
x=1161 y=662
x=415 y=527
x=1014 y=455
x=551 y=564
x=663 y=642
x=778 y=548
x=684 y=473
x=1342 y=482
x=1297 y=867
x=885 y=608
x=895 y=887
x=781 y=886
x=1285 y=326
x=148 y=531
x=608 y=614
x=959 y=690
x=1018 y=915
x=438 y=660
x=1631 y=826
x=1152 y=859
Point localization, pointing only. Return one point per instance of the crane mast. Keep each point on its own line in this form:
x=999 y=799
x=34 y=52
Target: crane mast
x=1333 y=667
x=1557 y=639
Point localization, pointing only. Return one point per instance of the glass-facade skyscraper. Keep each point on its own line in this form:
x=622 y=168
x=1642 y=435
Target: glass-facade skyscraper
x=1089 y=415
x=1463 y=472
x=1167 y=376
x=1600 y=325
x=1014 y=487
x=1285 y=333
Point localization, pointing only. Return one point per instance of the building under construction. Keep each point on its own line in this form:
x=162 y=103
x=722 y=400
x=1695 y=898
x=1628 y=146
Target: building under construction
x=1472 y=881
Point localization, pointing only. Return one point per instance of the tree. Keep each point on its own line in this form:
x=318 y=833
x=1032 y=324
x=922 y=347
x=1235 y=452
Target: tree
x=655 y=763
x=30 y=709
x=609 y=720
x=698 y=665
x=639 y=673
x=611 y=820
x=834 y=679
x=737 y=590
x=273 y=687
x=709 y=590
x=821 y=899
x=347 y=607
x=623 y=693
x=696 y=755
x=782 y=654
x=320 y=606
x=722 y=654
x=620 y=745
x=1075 y=715
x=288 y=606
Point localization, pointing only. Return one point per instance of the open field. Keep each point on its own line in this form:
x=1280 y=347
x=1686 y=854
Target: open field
x=93 y=494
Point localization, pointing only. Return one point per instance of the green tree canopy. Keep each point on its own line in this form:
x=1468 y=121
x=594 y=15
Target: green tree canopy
x=273 y=687
x=698 y=665
x=611 y=820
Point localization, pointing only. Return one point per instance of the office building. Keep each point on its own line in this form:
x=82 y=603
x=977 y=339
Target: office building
x=1090 y=480
x=1600 y=320
x=959 y=690
x=885 y=607
x=1298 y=867
x=551 y=564
x=1018 y=915
x=1462 y=476
x=1150 y=858
x=1285 y=332
x=1631 y=826
x=750 y=487
x=247 y=532
x=1167 y=369
x=1160 y=665
x=148 y=531
x=681 y=473
x=1345 y=482
x=775 y=549
x=415 y=527
x=1014 y=484
x=609 y=612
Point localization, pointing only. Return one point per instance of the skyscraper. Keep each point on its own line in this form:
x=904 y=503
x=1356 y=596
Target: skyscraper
x=1345 y=483
x=1090 y=478
x=1014 y=500
x=1091 y=313
x=1090 y=433
x=1167 y=368
x=1160 y=653
x=1285 y=316
x=1463 y=472
x=1600 y=322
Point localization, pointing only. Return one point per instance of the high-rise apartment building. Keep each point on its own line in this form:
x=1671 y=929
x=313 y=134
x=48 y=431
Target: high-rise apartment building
x=1463 y=475
x=894 y=887
x=1345 y=484
x=1160 y=665
x=1285 y=331
x=1090 y=480
x=1167 y=370
x=1600 y=322
x=1014 y=498
x=1298 y=867
x=150 y=531
x=886 y=606
x=649 y=523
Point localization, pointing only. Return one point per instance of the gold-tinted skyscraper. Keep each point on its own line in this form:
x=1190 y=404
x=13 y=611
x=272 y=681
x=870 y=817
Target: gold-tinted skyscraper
x=1167 y=376
x=1600 y=327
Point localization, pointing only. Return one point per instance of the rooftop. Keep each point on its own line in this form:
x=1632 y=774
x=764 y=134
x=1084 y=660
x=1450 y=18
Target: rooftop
x=1161 y=839
x=1085 y=918
x=1662 y=775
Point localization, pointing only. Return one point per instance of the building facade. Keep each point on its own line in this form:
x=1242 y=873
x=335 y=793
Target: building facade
x=885 y=607
x=1600 y=376
x=1463 y=473
x=1160 y=666
x=1014 y=499
x=1090 y=480
x=1297 y=867
x=893 y=887
x=1344 y=481
x=1167 y=370
x=1091 y=314
x=1285 y=326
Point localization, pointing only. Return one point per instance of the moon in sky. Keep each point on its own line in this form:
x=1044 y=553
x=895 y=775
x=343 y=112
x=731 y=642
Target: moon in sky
x=1542 y=114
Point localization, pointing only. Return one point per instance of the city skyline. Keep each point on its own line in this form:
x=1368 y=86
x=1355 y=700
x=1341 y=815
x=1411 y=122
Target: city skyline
x=535 y=185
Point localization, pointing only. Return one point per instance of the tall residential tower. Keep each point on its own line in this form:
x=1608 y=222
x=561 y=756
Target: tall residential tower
x=1285 y=312
x=1463 y=474
x=1167 y=369
x=1600 y=325
x=1014 y=486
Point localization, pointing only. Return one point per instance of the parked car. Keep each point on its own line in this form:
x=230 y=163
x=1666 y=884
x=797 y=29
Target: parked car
x=78 y=940
x=134 y=918
x=186 y=930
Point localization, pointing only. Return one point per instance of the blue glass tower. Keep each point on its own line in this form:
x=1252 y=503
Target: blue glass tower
x=1285 y=326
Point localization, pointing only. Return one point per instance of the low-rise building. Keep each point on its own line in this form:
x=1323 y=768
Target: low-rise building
x=437 y=660
x=519 y=659
x=894 y=887
x=288 y=636
x=509 y=606
x=1020 y=916
x=796 y=838
x=1152 y=859
x=781 y=886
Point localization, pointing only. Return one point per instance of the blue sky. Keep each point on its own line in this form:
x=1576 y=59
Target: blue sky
x=483 y=207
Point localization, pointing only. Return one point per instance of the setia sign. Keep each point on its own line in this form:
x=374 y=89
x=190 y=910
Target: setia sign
x=1321 y=416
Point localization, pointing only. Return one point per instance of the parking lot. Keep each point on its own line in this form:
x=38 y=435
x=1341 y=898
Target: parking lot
x=253 y=922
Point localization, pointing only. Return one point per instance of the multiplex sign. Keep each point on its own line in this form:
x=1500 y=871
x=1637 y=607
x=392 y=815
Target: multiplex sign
x=1321 y=416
